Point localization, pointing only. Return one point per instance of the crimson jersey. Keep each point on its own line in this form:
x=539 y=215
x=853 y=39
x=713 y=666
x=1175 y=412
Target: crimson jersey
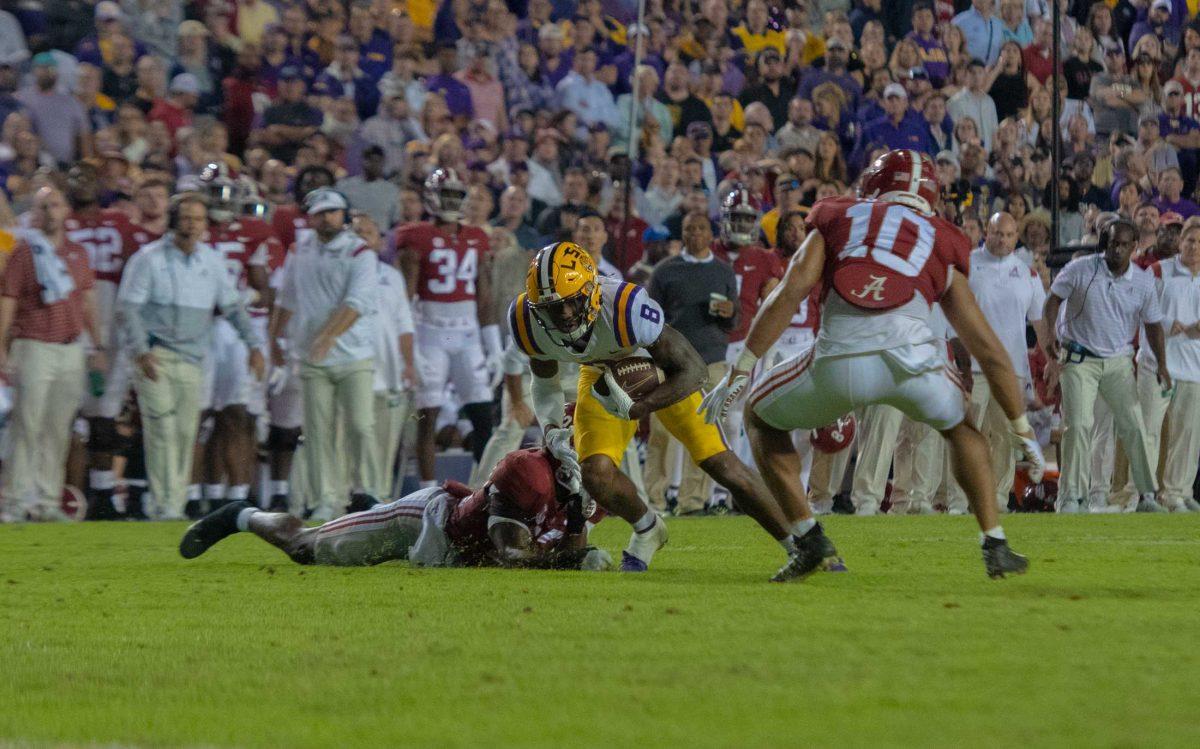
x=110 y=238
x=1191 y=97
x=809 y=314
x=449 y=265
x=753 y=267
x=521 y=488
x=242 y=243
x=878 y=254
x=285 y=220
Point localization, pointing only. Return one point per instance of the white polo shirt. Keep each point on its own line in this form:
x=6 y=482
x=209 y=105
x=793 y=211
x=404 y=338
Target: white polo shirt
x=318 y=279
x=1179 y=295
x=1009 y=294
x=1101 y=311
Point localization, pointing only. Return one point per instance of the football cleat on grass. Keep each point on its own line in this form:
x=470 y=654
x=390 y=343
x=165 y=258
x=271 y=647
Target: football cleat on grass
x=1190 y=505
x=1000 y=560
x=1068 y=507
x=202 y=534
x=642 y=546
x=814 y=551
x=192 y=510
x=1149 y=503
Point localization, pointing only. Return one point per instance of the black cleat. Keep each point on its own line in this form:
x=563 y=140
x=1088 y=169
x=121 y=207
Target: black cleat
x=1000 y=560
x=133 y=505
x=842 y=504
x=202 y=534
x=278 y=503
x=193 y=510
x=100 y=506
x=814 y=551
x=361 y=502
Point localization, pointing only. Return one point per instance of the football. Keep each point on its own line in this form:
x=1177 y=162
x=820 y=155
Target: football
x=637 y=376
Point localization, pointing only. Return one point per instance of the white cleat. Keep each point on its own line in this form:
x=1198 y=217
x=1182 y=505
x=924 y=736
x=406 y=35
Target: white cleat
x=1190 y=505
x=642 y=546
x=1149 y=503
x=1068 y=507
x=921 y=508
x=1104 y=509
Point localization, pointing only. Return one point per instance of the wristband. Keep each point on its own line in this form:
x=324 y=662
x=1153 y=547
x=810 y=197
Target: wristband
x=491 y=339
x=1020 y=425
x=745 y=361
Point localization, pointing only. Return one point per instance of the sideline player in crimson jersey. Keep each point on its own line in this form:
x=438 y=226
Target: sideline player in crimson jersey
x=522 y=517
x=236 y=397
x=883 y=260
x=757 y=271
x=110 y=238
x=446 y=266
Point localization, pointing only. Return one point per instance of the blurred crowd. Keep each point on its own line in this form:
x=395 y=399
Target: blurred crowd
x=556 y=120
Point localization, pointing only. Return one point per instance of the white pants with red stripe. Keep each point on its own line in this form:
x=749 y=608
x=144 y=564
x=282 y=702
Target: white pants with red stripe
x=808 y=393
x=380 y=534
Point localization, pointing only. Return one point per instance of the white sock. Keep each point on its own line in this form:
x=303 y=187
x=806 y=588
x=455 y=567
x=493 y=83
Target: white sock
x=996 y=533
x=645 y=523
x=214 y=491
x=238 y=493
x=101 y=480
x=243 y=518
x=426 y=484
x=193 y=493
x=800 y=527
x=279 y=487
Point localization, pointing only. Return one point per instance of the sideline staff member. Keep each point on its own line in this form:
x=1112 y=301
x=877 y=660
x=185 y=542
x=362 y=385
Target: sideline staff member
x=165 y=309
x=1107 y=299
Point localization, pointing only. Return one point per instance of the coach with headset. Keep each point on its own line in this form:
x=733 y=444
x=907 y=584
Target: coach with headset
x=165 y=309
x=331 y=286
x=1090 y=347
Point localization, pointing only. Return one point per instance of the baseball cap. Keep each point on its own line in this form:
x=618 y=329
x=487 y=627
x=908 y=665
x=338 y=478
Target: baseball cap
x=834 y=42
x=185 y=83
x=1163 y=4
x=550 y=31
x=597 y=127
x=192 y=28
x=1172 y=85
x=325 y=199
x=636 y=28
x=656 y=233
x=894 y=89
x=699 y=130
x=45 y=59
x=107 y=10
x=519 y=166
x=769 y=53
x=1169 y=218
x=289 y=73
x=947 y=157
x=918 y=74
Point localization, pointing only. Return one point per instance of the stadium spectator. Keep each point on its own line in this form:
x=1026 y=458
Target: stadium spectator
x=58 y=119
x=46 y=304
x=370 y=193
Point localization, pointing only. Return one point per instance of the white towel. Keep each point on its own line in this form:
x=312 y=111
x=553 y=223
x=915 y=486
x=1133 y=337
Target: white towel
x=52 y=273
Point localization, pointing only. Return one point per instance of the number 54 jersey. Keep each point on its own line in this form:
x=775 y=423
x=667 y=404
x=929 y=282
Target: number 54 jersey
x=885 y=265
x=629 y=320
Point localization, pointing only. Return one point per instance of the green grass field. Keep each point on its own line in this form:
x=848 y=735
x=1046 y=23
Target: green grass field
x=107 y=637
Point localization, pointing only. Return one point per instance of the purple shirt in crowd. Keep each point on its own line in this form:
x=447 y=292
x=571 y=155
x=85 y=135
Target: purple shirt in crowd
x=454 y=91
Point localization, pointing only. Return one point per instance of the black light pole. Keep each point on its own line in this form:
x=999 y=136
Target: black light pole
x=1055 y=115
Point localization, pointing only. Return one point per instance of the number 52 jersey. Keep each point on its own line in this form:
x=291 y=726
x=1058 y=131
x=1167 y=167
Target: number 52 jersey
x=629 y=320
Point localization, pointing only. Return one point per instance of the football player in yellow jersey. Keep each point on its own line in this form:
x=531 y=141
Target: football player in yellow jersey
x=569 y=313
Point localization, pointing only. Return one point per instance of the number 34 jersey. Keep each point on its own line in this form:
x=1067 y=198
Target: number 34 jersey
x=629 y=320
x=885 y=265
x=448 y=271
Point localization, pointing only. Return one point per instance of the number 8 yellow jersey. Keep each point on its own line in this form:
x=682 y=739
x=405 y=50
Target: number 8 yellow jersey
x=629 y=320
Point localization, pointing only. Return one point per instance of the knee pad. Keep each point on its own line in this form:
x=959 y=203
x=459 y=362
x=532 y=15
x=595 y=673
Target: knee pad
x=103 y=436
x=281 y=439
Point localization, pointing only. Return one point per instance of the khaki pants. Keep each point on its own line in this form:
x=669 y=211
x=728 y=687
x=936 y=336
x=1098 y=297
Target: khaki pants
x=986 y=415
x=880 y=425
x=170 y=406
x=47 y=390
x=1183 y=443
x=1111 y=379
x=391 y=411
x=1154 y=407
x=922 y=465
x=695 y=486
x=345 y=391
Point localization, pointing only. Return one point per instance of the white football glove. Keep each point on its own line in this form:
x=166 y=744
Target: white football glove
x=717 y=401
x=558 y=442
x=1027 y=445
x=597 y=560
x=617 y=402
